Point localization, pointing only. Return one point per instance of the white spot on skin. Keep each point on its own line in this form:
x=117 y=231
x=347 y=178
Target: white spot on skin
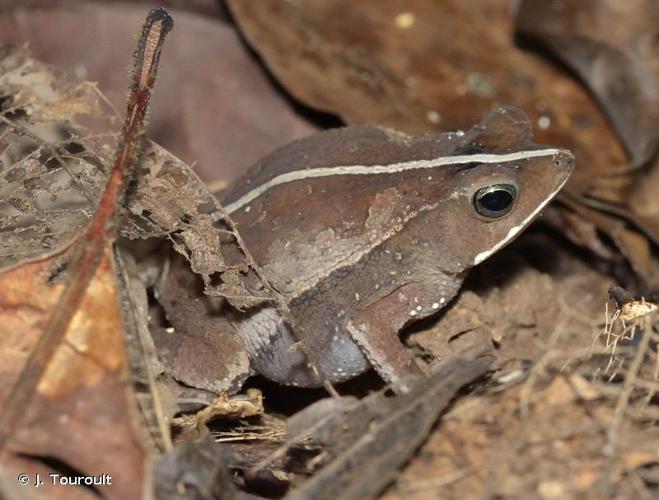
x=543 y=122
x=356 y=296
x=412 y=312
x=169 y=330
x=418 y=308
x=442 y=300
x=433 y=116
x=435 y=305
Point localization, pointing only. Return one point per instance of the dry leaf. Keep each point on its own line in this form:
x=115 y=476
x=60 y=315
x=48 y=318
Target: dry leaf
x=215 y=108
x=612 y=47
x=71 y=383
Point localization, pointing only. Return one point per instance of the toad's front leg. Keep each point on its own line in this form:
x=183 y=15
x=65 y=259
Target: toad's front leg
x=375 y=329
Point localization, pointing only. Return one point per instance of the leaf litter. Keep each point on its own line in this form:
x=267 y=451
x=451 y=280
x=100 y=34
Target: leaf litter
x=63 y=335
x=218 y=126
x=562 y=414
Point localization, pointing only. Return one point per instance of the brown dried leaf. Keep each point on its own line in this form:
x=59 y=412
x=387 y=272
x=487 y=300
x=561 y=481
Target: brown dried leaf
x=85 y=388
x=366 y=442
x=224 y=407
x=632 y=244
x=197 y=467
x=83 y=402
x=54 y=171
x=51 y=175
x=215 y=107
x=73 y=378
x=612 y=47
x=166 y=199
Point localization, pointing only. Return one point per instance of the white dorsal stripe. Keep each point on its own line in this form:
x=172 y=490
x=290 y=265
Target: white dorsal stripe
x=392 y=168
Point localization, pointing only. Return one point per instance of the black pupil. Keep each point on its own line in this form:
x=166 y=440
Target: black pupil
x=495 y=201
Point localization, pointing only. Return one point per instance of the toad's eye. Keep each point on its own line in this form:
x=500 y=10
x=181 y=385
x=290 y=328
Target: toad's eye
x=495 y=201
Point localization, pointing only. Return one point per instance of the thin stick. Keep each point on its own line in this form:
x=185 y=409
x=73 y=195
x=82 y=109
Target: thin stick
x=613 y=432
x=88 y=248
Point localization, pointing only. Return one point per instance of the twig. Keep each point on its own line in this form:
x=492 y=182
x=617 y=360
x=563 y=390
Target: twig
x=87 y=249
x=613 y=432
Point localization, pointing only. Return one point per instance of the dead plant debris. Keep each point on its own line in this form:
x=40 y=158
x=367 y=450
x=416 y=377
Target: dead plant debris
x=546 y=365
